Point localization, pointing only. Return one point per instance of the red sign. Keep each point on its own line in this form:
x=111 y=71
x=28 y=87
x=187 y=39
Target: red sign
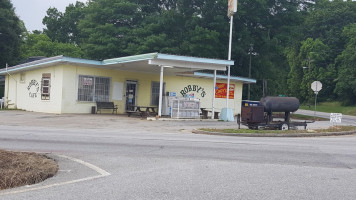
x=220 y=90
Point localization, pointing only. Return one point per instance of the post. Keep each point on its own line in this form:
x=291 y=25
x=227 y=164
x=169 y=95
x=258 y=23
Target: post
x=229 y=58
x=214 y=90
x=160 y=93
x=309 y=82
x=316 y=96
x=249 y=73
x=226 y=113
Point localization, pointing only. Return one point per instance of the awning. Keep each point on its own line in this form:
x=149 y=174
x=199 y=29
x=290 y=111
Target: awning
x=144 y=63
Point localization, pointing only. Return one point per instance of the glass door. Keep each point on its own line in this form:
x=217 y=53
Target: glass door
x=131 y=90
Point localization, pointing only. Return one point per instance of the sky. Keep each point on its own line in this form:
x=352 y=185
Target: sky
x=33 y=11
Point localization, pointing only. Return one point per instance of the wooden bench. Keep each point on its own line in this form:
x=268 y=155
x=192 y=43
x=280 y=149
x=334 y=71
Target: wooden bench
x=106 y=105
x=204 y=113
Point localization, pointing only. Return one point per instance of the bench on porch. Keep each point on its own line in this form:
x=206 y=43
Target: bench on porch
x=205 y=111
x=106 y=105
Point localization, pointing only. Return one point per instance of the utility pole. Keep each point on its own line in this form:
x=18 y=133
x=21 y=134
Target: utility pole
x=249 y=70
x=309 y=81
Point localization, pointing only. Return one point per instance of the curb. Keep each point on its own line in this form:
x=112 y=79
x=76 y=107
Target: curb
x=195 y=131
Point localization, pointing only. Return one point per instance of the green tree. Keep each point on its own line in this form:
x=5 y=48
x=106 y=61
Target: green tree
x=271 y=27
x=295 y=75
x=346 y=83
x=11 y=30
x=63 y=27
x=42 y=45
x=105 y=31
x=309 y=64
x=326 y=22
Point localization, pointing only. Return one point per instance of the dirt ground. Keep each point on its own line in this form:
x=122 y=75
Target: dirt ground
x=22 y=168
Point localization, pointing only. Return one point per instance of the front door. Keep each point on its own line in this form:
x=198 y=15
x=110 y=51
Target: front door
x=131 y=89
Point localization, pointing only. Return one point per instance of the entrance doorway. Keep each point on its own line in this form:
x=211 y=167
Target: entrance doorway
x=131 y=90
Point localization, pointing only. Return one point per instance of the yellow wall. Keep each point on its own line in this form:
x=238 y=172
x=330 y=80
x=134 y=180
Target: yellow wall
x=64 y=89
x=177 y=83
x=18 y=94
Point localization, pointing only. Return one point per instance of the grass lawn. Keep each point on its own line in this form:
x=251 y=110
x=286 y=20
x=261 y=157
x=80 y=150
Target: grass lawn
x=332 y=107
x=306 y=117
x=331 y=129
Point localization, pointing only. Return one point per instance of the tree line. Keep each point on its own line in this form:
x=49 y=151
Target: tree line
x=290 y=43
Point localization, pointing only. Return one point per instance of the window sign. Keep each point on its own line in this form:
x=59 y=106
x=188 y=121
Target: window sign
x=87 y=81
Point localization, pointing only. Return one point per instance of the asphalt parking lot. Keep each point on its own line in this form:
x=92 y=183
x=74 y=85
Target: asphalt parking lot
x=112 y=122
x=117 y=157
x=105 y=122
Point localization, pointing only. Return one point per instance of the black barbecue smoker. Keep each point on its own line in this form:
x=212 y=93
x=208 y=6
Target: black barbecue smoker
x=260 y=116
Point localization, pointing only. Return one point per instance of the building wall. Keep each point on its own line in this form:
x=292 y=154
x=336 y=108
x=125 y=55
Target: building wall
x=64 y=89
x=173 y=84
x=23 y=90
x=205 y=94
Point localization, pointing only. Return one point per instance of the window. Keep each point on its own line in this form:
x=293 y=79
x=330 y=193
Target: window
x=45 y=86
x=155 y=93
x=91 y=88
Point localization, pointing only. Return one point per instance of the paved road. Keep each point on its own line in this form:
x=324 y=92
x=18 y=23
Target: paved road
x=346 y=119
x=111 y=157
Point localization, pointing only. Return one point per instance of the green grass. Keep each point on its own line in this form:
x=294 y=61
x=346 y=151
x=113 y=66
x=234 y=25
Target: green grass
x=331 y=129
x=332 y=107
x=306 y=117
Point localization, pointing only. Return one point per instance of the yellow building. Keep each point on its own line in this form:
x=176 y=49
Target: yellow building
x=70 y=85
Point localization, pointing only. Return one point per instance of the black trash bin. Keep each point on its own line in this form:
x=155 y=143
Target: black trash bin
x=93 y=110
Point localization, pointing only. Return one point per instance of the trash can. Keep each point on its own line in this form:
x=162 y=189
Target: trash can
x=216 y=115
x=93 y=110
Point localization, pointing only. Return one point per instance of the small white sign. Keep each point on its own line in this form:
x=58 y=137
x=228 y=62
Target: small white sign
x=335 y=117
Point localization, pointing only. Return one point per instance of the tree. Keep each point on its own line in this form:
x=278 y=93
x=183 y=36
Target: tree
x=309 y=64
x=346 y=83
x=105 y=31
x=11 y=30
x=63 y=27
x=42 y=45
x=326 y=22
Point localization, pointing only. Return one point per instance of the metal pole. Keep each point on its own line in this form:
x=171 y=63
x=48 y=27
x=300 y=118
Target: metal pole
x=160 y=93
x=249 y=73
x=309 y=82
x=316 y=96
x=214 y=90
x=229 y=58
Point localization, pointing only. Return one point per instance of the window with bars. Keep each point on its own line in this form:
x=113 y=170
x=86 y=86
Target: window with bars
x=92 y=88
x=155 y=93
x=45 y=86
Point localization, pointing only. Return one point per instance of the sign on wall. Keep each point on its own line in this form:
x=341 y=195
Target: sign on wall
x=118 y=91
x=33 y=88
x=189 y=89
x=220 y=91
x=87 y=81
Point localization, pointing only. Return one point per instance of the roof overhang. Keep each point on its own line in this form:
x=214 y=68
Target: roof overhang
x=220 y=77
x=145 y=63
